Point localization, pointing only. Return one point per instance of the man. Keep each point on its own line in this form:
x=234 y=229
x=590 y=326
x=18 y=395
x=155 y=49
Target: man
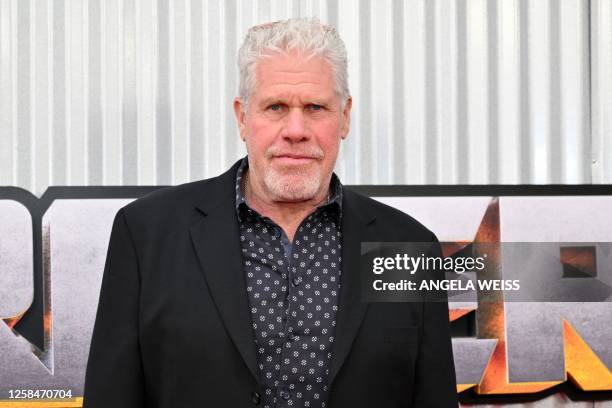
x=243 y=290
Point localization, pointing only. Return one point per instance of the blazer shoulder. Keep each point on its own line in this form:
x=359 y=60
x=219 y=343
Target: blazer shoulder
x=181 y=200
x=391 y=219
x=171 y=205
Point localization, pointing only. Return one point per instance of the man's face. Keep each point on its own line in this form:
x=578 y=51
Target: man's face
x=293 y=126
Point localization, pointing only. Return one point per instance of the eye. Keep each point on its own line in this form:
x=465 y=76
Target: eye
x=275 y=107
x=315 y=107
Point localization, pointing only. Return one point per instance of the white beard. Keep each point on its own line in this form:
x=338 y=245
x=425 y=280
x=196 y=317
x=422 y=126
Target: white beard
x=294 y=184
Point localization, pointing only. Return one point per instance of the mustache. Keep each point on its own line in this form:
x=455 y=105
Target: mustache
x=312 y=152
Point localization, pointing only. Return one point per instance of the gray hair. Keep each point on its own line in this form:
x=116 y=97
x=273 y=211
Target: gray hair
x=302 y=34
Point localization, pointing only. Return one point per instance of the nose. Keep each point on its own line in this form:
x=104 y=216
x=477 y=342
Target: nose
x=296 y=127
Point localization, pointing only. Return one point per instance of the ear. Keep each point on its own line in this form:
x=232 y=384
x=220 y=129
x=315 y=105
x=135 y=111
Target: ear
x=239 y=111
x=346 y=118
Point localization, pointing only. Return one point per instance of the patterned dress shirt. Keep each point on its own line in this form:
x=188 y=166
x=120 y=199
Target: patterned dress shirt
x=293 y=290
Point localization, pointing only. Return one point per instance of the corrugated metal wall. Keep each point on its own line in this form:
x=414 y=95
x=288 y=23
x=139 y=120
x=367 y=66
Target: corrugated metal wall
x=124 y=92
x=601 y=85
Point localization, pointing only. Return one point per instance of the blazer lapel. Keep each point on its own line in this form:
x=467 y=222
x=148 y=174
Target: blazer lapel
x=351 y=311
x=215 y=238
x=216 y=241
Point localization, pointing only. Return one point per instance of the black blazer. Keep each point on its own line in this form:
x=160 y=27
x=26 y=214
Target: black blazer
x=173 y=327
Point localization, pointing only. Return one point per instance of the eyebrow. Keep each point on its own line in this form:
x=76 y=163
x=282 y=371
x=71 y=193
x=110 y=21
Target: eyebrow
x=310 y=101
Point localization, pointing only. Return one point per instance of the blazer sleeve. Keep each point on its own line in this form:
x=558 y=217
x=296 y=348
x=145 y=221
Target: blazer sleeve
x=436 y=384
x=114 y=376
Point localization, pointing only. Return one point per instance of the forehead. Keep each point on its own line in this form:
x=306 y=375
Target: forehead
x=293 y=73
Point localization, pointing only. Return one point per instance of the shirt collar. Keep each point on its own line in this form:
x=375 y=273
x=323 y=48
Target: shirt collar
x=333 y=206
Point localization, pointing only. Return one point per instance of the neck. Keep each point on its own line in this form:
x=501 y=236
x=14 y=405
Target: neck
x=286 y=214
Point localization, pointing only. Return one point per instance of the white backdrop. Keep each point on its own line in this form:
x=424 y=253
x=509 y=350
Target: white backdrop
x=126 y=92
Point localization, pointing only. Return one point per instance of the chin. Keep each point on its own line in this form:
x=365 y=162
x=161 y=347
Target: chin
x=293 y=187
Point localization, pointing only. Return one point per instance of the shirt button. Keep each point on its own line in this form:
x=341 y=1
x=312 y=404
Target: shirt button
x=296 y=281
x=255 y=397
x=285 y=395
